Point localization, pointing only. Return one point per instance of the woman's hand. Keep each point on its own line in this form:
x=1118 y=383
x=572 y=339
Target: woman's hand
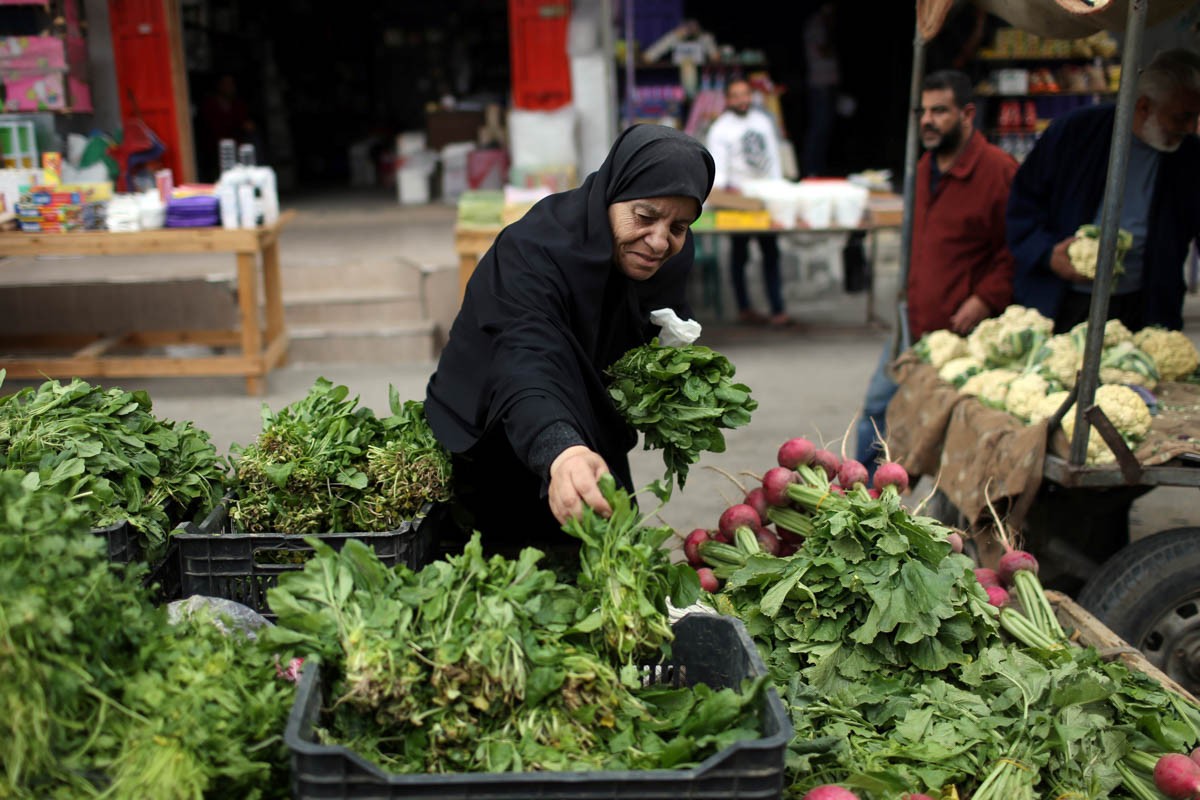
x=574 y=482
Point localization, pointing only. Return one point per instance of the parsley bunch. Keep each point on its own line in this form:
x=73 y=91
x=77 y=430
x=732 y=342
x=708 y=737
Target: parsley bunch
x=679 y=398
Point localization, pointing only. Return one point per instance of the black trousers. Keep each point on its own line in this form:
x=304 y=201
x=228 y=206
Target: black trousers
x=1130 y=308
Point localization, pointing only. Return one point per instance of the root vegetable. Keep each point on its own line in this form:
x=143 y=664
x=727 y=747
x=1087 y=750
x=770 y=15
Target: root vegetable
x=828 y=461
x=788 y=536
x=889 y=473
x=1013 y=562
x=795 y=452
x=986 y=577
x=735 y=517
x=1195 y=755
x=851 y=473
x=997 y=596
x=829 y=792
x=756 y=498
x=1177 y=776
x=774 y=485
x=956 y=541
x=708 y=580
x=767 y=540
x=691 y=546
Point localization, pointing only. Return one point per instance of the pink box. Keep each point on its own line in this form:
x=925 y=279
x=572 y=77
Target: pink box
x=32 y=54
x=35 y=93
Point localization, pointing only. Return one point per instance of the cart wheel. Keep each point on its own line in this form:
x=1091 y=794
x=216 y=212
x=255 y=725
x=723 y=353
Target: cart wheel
x=1149 y=595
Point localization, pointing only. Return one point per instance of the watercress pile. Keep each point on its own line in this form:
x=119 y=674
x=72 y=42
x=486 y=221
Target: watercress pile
x=901 y=678
x=679 y=398
x=324 y=464
x=106 y=448
x=492 y=664
x=99 y=694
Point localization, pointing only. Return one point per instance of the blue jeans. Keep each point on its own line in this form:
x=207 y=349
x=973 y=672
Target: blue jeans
x=880 y=391
x=772 y=280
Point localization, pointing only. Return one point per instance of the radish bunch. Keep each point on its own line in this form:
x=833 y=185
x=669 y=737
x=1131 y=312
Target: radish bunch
x=1178 y=776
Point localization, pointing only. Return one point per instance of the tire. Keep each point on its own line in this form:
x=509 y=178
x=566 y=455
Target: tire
x=1149 y=595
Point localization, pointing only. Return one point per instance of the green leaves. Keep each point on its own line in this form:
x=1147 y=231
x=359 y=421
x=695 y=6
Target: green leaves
x=679 y=398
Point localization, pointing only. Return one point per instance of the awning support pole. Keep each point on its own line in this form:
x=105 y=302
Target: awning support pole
x=911 y=153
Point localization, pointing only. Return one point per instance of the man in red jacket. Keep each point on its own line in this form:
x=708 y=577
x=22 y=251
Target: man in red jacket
x=960 y=270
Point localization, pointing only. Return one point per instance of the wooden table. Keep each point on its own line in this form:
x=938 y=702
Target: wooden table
x=260 y=349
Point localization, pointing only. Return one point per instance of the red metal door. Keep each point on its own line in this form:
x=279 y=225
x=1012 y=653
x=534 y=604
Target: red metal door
x=537 y=35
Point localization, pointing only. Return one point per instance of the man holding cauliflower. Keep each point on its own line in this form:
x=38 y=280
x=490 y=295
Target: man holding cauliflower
x=960 y=270
x=1056 y=200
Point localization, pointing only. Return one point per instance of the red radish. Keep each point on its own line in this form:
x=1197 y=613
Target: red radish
x=986 y=577
x=795 y=452
x=787 y=549
x=767 y=540
x=828 y=461
x=756 y=498
x=691 y=546
x=774 y=485
x=788 y=537
x=997 y=596
x=1195 y=755
x=852 y=472
x=956 y=541
x=708 y=580
x=735 y=517
x=1177 y=776
x=889 y=473
x=829 y=792
x=1013 y=562
x=837 y=489
x=873 y=494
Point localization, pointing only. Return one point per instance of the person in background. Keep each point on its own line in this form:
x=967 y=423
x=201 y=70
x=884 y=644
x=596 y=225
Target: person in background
x=960 y=270
x=519 y=396
x=745 y=146
x=1060 y=186
x=822 y=80
x=223 y=115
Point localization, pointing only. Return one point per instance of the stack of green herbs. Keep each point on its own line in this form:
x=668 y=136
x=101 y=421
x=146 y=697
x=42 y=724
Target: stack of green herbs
x=481 y=664
x=679 y=398
x=901 y=678
x=106 y=448
x=326 y=465
x=99 y=694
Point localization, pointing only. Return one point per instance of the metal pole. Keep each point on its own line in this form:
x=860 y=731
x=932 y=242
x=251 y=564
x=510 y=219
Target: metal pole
x=610 y=70
x=911 y=148
x=630 y=85
x=1114 y=196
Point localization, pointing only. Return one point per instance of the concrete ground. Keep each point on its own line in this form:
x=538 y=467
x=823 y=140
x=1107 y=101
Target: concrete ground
x=808 y=381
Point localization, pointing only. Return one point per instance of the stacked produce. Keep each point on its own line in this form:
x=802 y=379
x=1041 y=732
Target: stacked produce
x=99 y=695
x=324 y=464
x=679 y=398
x=475 y=664
x=1015 y=363
x=904 y=674
x=107 y=449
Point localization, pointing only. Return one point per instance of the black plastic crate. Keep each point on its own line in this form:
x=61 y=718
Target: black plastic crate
x=123 y=544
x=709 y=649
x=165 y=578
x=215 y=561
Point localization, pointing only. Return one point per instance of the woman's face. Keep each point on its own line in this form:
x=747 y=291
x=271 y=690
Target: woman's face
x=648 y=232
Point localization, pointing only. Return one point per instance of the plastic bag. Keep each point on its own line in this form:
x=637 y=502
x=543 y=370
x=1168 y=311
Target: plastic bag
x=242 y=617
x=674 y=331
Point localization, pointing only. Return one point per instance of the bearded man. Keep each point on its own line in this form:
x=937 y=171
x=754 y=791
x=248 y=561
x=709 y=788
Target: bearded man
x=960 y=270
x=1060 y=186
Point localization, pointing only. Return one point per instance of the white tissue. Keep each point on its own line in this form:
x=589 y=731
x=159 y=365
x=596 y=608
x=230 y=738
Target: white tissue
x=674 y=332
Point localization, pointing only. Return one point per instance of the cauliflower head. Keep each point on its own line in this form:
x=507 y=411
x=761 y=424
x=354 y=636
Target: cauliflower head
x=1172 y=351
x=1125 y=409
x=1125 y=363
x=1084 y=252
x=1024 y=393
x=990 y=386
x=1043 y=407
x=957 y=370
x=939 y=347
x=1115 y=333
x=1059 y=360
x=1009 y=338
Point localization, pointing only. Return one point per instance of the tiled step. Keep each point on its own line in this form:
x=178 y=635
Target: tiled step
x=364 y=305
x=403 y=341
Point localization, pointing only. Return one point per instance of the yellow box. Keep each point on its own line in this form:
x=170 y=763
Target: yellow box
x=731 y=219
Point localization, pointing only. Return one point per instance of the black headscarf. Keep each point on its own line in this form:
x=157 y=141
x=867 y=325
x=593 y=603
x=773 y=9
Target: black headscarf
x=547 y=309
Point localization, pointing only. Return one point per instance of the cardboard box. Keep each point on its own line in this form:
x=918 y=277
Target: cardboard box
x=720 y=198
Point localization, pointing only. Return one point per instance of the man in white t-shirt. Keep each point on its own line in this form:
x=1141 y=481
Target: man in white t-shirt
x=745 y=146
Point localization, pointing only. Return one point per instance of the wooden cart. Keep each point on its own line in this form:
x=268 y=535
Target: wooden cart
x=78 y=355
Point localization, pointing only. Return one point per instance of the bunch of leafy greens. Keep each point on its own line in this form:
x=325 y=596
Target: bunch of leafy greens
x=900 y=678
x=99 y=694
x=106 y=448
x=326 y=465
x=679 y=398
x=478 y=664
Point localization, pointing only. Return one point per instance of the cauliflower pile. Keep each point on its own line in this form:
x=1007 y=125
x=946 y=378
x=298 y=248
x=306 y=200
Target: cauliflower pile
x=990 y=386
x=1059 y=361
x=1125 y=409
x=938 y=347
x=1084 y=252
x=1125 y=363
x=1115 y=333
x=1011 y=337
x=1173 y=353
x=958 y=370
x=1025 y=392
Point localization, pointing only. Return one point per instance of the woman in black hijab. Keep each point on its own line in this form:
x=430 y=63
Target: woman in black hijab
x=519 y=396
